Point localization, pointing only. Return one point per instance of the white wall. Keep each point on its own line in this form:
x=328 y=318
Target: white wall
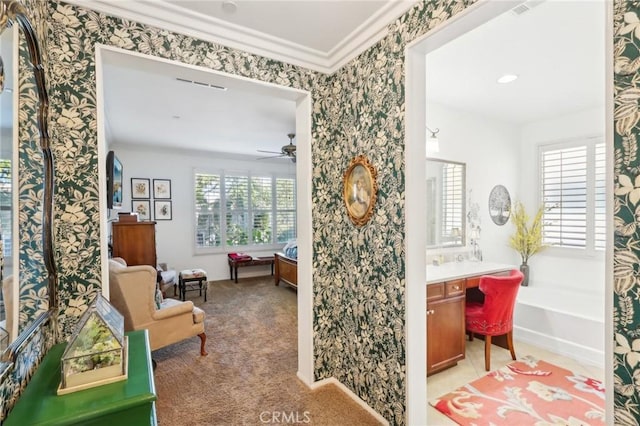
x=175 y=238
x=557 y=267
x=490 y=149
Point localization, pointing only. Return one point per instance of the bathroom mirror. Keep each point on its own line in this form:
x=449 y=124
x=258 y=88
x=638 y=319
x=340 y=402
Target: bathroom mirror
x=446 y=209
x=37 y=269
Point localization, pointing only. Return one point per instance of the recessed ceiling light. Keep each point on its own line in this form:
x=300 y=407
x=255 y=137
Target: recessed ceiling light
x=507 y=78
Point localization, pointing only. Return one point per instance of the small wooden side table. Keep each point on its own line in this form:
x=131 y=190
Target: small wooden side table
x=256 y=261
x=129 y=402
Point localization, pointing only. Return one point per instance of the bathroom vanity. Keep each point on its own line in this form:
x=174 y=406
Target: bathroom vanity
x=447 y=286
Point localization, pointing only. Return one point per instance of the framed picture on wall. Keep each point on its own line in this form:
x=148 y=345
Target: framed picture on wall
x=162 y=210
x=360 y=190
x=143 y=208
x=140 y=188
x=162 y=189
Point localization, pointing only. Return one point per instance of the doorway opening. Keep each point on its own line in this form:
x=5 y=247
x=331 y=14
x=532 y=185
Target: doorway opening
x=302 y=101
x=421 y=115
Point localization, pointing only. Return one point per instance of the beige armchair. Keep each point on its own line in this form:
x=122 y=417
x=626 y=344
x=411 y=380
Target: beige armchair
x=132 y=292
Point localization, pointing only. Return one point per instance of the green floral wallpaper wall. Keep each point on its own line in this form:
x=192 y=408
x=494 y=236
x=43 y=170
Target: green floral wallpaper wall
x=359 y=302
x=626 y=268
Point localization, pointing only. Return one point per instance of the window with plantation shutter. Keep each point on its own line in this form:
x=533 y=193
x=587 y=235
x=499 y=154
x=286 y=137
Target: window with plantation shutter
x=452 y=202
x=573 y=194
x=257 y=210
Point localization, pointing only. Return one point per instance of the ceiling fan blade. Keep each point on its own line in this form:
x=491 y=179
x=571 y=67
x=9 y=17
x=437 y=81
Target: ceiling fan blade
x=270 y=152
x=271 y=156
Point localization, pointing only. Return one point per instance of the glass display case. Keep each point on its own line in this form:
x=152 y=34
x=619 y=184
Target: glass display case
x=97 y=351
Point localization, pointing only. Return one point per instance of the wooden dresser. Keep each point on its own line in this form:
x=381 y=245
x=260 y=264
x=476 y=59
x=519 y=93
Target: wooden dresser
x=135 y=242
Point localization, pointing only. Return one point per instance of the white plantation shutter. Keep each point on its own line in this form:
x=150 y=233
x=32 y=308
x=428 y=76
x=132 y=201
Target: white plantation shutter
x=600 y=210
x=261 y=210
x=236 y=190
x=285 y=209
x=564 y=193
x=452 y=202
x=208 y=210
x=573 y=194
x=6 y=208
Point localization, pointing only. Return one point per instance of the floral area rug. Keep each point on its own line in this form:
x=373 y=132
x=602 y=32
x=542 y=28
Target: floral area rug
x=526 y=392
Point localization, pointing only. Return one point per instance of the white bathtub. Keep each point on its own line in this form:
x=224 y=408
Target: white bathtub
x=563 y=321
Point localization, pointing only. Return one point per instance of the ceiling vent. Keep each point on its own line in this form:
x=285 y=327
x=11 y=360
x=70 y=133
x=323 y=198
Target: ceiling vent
x=525 y=7
x=199 y=83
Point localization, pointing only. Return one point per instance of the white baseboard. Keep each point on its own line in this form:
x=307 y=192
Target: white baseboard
x=353 y=396
x=563 y=347
x=305 y=380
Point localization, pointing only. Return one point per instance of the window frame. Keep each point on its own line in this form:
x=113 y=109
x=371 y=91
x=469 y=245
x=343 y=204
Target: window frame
x=224 y=247
x=589 y=141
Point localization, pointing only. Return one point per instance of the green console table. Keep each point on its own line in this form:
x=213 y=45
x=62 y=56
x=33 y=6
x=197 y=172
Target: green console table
x=129 y=402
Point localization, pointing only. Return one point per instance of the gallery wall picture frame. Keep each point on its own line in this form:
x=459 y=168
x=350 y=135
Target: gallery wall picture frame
x=140 y=188
x=162 y=189
x=162 y=210
x=360 y=190
x=143 y=208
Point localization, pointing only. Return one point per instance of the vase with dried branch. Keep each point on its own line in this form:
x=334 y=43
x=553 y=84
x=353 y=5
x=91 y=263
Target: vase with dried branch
x=527 y=239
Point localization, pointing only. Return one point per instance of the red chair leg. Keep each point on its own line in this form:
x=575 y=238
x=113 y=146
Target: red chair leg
x=510 y=344
x=487 y=352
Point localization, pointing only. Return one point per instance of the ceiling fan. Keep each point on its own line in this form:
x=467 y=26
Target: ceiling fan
x=286 y=151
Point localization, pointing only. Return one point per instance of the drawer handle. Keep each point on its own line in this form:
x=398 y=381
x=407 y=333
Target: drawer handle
x=456 y=287
x=430 y=312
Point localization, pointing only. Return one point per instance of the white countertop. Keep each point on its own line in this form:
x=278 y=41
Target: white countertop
x=455 y=270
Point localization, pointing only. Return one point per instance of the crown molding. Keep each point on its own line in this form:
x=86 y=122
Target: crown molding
x=167 y=16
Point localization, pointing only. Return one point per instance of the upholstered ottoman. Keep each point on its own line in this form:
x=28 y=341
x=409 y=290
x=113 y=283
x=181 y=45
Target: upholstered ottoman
x=191 y=277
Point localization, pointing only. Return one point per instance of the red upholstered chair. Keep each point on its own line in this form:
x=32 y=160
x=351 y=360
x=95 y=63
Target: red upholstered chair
x=494 y=317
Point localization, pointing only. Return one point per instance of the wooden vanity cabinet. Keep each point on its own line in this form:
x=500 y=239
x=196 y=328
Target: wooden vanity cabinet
x=445 y=324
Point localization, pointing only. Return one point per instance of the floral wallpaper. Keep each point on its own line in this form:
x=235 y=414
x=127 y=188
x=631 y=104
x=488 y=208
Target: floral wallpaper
x=359 y=302
x=626 y=267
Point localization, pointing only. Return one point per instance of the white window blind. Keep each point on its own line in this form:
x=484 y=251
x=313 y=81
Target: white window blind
x=573 y=194
x=257 y=210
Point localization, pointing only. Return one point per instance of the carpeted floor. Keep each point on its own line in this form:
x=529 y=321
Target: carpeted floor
x=249 y=376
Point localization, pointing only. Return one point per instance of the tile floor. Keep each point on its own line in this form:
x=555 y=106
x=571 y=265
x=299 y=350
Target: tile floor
x=472 y=367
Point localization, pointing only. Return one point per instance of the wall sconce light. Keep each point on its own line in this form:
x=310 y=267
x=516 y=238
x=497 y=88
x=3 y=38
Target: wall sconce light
x=433 y=145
